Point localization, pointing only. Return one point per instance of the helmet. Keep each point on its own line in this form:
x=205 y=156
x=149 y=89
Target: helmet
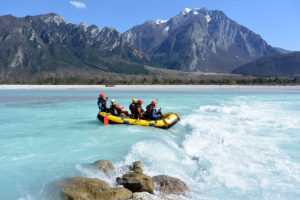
x=153 y=102
x=140 y=102
x=134 y=100
x=101 y=95
x=113 y=102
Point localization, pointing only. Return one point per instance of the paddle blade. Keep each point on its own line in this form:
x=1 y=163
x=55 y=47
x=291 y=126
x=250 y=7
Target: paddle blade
x=105 y=121
x=177 y=116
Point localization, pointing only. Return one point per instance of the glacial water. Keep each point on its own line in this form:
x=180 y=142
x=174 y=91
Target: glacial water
x=229 y=144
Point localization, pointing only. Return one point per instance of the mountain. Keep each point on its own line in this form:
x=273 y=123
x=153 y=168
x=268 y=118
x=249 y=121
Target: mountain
x=198 y=40
x=282 y=51
x=275 y=65
x=45 y=44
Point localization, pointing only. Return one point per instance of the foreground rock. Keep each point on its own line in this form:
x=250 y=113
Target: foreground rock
x=81 y=188
x=137 y=182
x=138 y=167
x=170 y=185
x=106 y=166
x=146 y=196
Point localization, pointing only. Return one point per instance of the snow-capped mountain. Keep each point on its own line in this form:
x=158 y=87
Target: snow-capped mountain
x=198 y=40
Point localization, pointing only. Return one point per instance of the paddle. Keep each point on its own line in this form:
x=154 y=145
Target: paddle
x=105 y=120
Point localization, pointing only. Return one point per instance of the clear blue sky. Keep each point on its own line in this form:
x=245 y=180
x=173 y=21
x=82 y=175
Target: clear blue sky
x=277 y=21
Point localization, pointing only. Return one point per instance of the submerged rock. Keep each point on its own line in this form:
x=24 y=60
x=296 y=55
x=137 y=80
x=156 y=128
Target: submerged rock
x=106 y=166
x=146 y=196
x=81 y=188
x=170 y=185
x=116 y=194
x=137 y=182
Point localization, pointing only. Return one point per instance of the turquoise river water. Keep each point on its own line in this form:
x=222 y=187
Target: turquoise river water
x=229 y=144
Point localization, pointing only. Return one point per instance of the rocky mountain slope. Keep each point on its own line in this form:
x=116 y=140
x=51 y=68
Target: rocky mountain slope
x=199 y=40
x=275 y=65
x=44 y=44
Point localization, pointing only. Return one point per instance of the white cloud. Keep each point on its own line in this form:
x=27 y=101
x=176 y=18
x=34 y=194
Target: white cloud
x=78 y=4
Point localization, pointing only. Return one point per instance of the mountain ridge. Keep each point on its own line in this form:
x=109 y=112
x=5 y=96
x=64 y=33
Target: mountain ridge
x=198 y=40
x=44 y=43
x=195 y=40
x=287 y=64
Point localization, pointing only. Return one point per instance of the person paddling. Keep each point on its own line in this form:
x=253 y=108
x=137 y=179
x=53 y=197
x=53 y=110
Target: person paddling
x=139 y=110
x=115 y=109
x=152 y=112
x=102 y=103
x=132 y=108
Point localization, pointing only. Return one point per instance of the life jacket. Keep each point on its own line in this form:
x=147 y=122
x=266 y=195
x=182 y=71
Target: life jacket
x=149 y=109
x=132 y=107
x=103 y=104
x=139 y=111
x=115 y=110
x=152 y=112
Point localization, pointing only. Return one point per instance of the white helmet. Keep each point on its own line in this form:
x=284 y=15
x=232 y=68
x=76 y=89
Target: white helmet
x=112 y=101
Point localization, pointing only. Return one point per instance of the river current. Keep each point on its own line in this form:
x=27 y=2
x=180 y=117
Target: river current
x=229 y=144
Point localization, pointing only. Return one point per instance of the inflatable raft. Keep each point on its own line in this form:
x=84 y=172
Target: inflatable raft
x=166 y=122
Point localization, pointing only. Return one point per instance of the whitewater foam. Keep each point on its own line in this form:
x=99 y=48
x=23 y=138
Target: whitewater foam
x=232 y=139
x=230 y=146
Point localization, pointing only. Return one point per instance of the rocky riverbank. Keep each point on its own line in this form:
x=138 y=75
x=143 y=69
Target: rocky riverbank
x=133 y=185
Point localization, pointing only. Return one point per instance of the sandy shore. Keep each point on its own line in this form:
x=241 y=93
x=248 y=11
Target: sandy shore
x=116 y=87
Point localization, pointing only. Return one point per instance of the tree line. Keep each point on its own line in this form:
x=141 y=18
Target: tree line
x=152 y=80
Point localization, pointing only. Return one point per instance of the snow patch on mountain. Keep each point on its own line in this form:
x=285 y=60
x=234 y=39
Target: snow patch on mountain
x=161 y=21
x=166 y=29
x=208 y=19
x=186 y=11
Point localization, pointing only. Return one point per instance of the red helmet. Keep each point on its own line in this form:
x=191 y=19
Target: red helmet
x=101 y=95
x=140 y=102
x=153 y=102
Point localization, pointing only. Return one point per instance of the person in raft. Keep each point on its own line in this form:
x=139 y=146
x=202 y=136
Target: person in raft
x=102 y=103
x=139 y=110
x=152 y=112
x=115 y=109
x=132 y=108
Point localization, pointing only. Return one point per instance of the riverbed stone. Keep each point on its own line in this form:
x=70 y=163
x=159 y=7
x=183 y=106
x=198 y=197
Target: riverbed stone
x=170 y=185
x=137 y=182
x=146 y=196
x=106 y=166
x=116 y=193
x=138 y=167
x=82 y=188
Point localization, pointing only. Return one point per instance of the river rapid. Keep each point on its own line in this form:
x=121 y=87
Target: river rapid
x=229 y=144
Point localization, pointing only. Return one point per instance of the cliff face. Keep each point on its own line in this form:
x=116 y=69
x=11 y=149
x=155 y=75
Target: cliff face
x=198 y=40
x=47 y=43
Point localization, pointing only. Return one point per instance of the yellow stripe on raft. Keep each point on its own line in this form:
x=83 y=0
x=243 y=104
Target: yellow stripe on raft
x=168 y=120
